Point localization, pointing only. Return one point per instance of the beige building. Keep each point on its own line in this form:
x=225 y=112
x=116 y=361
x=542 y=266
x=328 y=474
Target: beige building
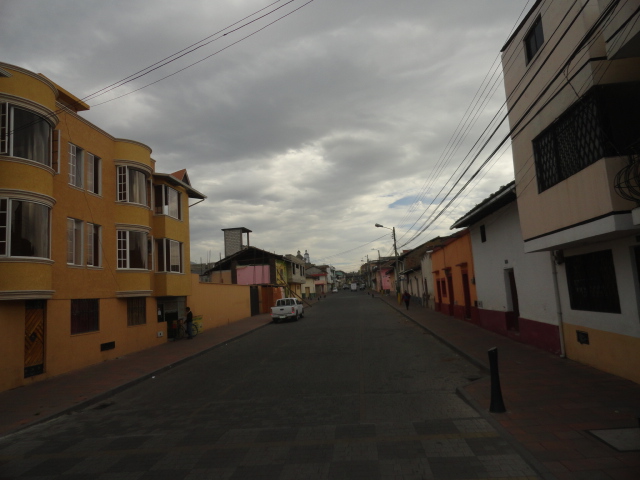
x=572 y=79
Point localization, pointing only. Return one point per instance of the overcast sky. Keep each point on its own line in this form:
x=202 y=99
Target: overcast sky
x=340 y=115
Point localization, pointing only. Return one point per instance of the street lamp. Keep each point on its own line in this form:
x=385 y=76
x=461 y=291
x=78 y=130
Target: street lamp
x=395 y=249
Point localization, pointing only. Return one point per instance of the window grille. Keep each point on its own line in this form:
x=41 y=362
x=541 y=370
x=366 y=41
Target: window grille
x=592 y=282
x=572 y=143
x=136 y=311
x=85 y=315
x=603 y=123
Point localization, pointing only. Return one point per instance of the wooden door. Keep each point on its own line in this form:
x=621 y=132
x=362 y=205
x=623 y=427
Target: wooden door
x=34 y=337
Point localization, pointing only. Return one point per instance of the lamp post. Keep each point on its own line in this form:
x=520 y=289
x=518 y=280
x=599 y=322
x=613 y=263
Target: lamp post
x=395 y=249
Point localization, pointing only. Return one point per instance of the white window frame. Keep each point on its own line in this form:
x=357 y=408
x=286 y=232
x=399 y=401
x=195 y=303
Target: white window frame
x=122 y=249
x=76 y=164
x=170 y=247
x=161 y=201
x=74 y=241
x=123 y=179
x=94 y=239
x=175 y=247
x=6 y=132
x=5 y=227
x=94 y=174
x=56 y=142
x=5 y=147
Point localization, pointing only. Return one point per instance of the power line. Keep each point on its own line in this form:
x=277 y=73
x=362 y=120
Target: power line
x=184 y=52
x=205 y=58
x=356 y=248
x=150 y=68
x=483 y=133
x=581 y=45
x=464 y=125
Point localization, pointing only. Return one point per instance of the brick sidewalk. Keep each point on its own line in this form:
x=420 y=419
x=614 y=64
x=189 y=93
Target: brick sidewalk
x=551 y=402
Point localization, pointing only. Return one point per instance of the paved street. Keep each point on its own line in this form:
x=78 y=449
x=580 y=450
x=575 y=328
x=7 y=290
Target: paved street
x=351 y=391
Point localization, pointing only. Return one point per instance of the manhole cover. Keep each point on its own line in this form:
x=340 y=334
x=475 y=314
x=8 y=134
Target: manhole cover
x=622 y=439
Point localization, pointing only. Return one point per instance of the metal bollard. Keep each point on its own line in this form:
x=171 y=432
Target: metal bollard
x=497 y=403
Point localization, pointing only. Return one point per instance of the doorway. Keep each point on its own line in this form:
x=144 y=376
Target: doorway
x=451 y=295
x=170 y=309
x=34 y=337
x=467 y=295
x=514 y=307
x=254 y=300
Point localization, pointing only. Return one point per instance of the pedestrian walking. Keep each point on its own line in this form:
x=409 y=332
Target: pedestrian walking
x=189 y=323
x=406 y=298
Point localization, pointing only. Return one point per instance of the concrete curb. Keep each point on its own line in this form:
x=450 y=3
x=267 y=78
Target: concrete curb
x=477 y=362
x=523 y=452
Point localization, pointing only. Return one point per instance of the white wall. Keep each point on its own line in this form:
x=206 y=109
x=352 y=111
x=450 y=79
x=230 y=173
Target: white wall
x=503 y=250
x=625 y=323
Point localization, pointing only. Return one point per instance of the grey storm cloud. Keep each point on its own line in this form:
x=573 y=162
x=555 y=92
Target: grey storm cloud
x=309 y=131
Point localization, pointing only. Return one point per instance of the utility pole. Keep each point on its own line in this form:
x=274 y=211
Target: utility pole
x=395 y=249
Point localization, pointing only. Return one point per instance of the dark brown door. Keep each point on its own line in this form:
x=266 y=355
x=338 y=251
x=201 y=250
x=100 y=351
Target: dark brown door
x=255 y=300
x=34 y=340
x=267 y=299
x=467 y=295
x=451 y=295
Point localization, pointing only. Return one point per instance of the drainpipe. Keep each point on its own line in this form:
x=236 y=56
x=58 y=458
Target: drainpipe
x=556 y=290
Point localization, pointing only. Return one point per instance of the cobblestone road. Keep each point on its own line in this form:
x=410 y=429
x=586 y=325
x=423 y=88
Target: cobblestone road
x=351 y=391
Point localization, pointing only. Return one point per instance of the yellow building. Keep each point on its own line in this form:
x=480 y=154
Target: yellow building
x=94 y=257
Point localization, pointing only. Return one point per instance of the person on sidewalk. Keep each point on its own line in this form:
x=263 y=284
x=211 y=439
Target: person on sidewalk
x=189 y=324
x=406 y=298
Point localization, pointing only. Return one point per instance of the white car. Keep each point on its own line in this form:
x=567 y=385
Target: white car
x=287 y=308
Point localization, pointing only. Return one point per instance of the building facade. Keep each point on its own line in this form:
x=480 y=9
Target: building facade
x=453 y=276
x=295 y=274
x=516 y=294
x=94 y=242
x=572 y=79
